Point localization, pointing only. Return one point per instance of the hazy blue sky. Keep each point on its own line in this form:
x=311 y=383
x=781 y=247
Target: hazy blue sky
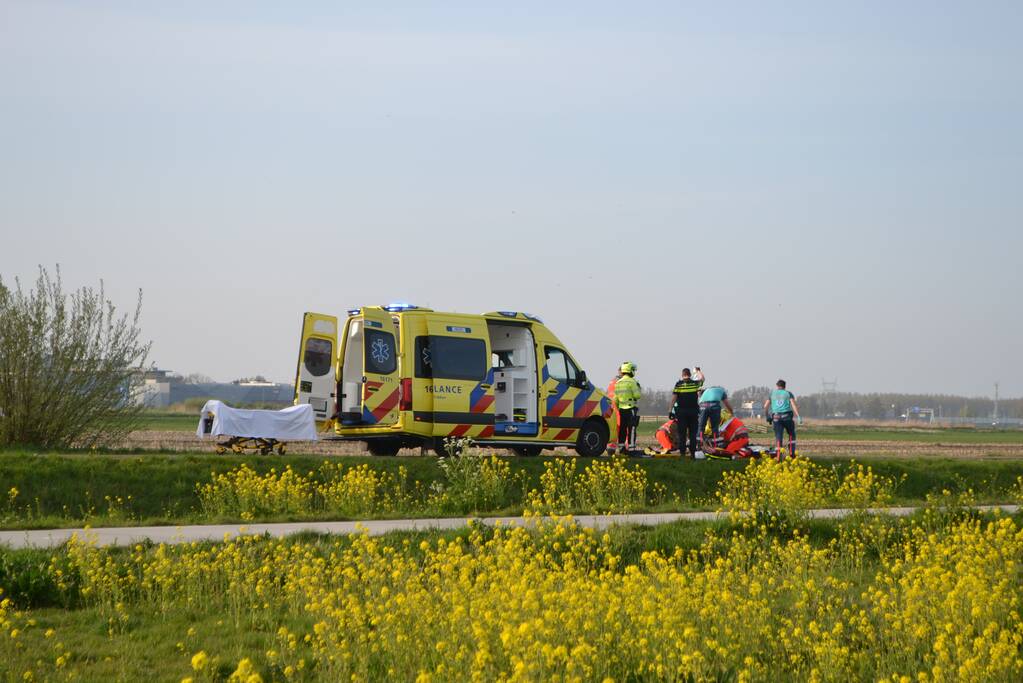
x=798 y=189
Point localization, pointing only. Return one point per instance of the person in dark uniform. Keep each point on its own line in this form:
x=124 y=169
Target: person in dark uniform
x=686 y=409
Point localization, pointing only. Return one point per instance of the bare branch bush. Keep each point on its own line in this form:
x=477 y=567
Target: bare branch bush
x=69 y=366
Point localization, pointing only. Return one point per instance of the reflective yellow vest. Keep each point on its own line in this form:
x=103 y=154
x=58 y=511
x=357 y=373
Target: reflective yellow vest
x=627 y=392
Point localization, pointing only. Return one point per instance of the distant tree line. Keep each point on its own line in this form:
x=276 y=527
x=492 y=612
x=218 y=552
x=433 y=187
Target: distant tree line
x=862 y=406
x=892 y=406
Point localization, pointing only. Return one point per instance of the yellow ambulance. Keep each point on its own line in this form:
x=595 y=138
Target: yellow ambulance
x=401 y=376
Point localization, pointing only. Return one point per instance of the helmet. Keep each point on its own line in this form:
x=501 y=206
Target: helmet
x=628 y=368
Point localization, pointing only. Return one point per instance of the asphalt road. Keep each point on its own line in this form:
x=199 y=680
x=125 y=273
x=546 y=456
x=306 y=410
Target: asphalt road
x=50 y=538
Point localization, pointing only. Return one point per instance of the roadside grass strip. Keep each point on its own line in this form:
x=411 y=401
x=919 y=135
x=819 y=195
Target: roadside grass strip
x=48 y=491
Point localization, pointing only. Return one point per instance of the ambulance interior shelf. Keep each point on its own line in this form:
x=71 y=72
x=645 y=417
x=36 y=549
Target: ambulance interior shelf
x=515 y=380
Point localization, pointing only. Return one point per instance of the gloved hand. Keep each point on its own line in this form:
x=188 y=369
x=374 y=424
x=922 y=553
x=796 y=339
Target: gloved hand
x=799 y=420
x=770 y=418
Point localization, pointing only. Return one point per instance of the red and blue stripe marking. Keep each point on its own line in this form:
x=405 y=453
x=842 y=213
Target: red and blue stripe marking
x=482 y=397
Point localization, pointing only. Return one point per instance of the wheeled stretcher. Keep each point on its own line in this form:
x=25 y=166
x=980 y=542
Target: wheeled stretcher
x=243 y=444
x=256 y=431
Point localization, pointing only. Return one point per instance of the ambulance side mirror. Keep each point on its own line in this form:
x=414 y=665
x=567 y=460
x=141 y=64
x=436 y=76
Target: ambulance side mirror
x=581 y=381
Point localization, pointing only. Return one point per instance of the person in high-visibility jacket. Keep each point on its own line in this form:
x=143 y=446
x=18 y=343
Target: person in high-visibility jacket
x=733 y=438
x=667 y=436
x=612 y=444
x=627 y=395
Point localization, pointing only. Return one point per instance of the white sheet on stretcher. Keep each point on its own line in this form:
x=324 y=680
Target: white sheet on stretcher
x=291 y=424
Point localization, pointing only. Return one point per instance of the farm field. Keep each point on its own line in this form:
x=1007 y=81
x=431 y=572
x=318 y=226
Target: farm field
x=765 y=594
x=813 y=429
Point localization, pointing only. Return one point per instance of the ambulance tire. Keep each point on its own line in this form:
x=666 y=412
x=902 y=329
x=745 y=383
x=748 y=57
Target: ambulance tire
x=592 y=440
x=527 y=451
x=383 y=446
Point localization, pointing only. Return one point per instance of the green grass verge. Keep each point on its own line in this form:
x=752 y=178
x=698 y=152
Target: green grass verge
x=112 y=490
x=177 y=423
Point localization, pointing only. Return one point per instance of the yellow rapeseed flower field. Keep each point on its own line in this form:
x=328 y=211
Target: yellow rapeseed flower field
x=759 y=600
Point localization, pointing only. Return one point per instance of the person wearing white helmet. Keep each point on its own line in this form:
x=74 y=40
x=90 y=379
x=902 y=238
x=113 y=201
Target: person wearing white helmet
x=627 y=395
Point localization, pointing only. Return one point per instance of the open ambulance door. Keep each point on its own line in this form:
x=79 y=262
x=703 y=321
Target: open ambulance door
x=315 y=380
x=380 y=386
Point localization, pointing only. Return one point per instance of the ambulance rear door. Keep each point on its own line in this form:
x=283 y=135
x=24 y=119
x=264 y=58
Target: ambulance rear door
x=462 y=388
x=315 y=377
x=380 y=386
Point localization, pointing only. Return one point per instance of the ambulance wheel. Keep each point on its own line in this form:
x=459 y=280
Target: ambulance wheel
x=383 y=446
x=592 y=440
x=527 y=451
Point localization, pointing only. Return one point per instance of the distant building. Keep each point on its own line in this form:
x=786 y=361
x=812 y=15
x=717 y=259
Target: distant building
x=161 y=388
x=155 y=391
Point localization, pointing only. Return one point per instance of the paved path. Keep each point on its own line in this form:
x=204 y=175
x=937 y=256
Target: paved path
x=49 y=538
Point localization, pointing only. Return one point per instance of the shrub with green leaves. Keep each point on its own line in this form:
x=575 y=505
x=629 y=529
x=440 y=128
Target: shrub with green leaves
x=68 y=366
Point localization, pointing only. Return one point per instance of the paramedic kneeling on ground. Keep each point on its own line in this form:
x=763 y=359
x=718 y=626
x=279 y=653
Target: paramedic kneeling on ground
x=781 y=408
x=734 y=437
x=710 y=409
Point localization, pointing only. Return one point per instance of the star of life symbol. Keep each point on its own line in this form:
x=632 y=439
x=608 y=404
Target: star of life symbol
x=380 y=351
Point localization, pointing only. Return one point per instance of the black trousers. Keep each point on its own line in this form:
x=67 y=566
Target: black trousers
x=626 y=426
x=687 y=434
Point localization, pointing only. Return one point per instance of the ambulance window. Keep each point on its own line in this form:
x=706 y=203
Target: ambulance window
x=559 y=366
x=317 y=356
x=501 y=359
x=457 y=358
x=573 y=373
x=424 y=365
x=380 y=355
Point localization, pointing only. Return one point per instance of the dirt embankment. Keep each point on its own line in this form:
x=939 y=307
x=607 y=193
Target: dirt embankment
x=186 y=441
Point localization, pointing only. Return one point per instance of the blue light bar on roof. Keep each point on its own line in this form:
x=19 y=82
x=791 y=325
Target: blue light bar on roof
x=396 y=306
x=353 y=311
